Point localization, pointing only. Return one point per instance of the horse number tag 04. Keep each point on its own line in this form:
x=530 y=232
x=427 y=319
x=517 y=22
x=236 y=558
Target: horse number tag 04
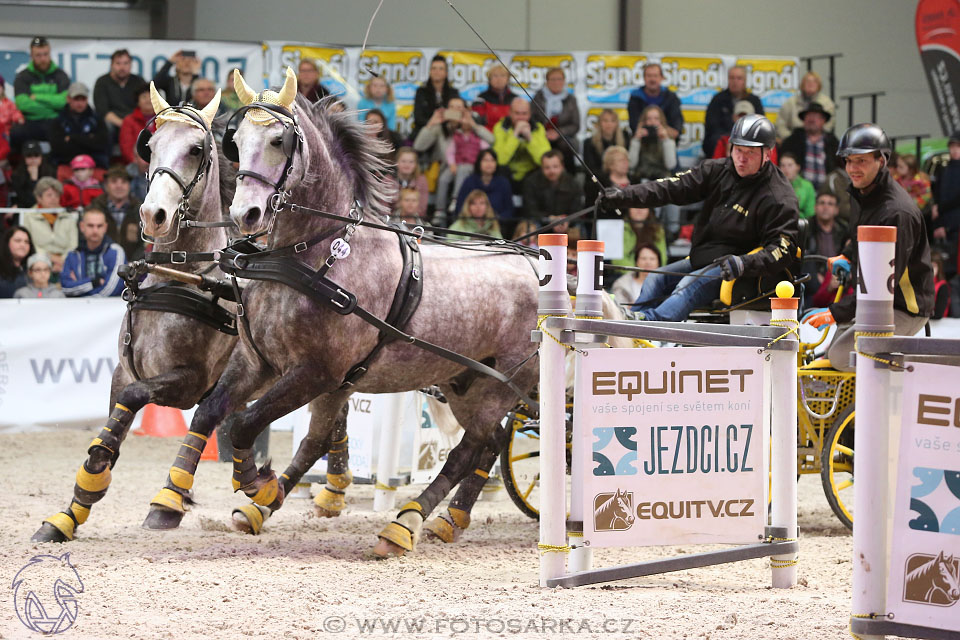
x=340 y=249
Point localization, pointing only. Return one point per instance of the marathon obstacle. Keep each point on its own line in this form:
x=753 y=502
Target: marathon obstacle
x=908 y=421
x=627 y=513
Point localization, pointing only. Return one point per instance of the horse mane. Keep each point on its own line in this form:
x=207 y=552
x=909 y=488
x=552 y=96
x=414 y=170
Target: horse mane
x=228 y=174
x=361 y=154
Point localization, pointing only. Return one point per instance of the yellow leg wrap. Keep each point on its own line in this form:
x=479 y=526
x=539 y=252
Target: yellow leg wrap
x=93 y=483
x=235 y=484
x=483 y=474
x=460 y=517
x=267 y=493
x=253 y=515
x=170 y=499
x=340 y=480
x=181 y=479
x=441 y=528
x=63 y=523
x=398 y=534
x=329 y=500
x=412 y=506
x=122 y=408
x=80 y=512
x=97 y=442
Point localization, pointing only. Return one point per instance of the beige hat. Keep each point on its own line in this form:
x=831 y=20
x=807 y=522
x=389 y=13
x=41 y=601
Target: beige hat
x=743 y=106
x=159 y=104
x=285 y=98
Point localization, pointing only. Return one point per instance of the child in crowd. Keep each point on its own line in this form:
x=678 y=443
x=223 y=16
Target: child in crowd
x=378 y=94
x=80 y=189
x=477 y=216
x=408 y=210
x=521 y=234
x=409 y=177
x=914 y=181
x=39 y=269
x=466 y=142
x=806 y=194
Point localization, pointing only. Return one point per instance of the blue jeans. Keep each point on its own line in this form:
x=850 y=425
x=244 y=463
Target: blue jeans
x=673 y=297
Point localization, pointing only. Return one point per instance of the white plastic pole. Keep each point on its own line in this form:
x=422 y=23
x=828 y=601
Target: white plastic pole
x=388 y=452
x=783 y=457
x=877 y=251
x=553 y=300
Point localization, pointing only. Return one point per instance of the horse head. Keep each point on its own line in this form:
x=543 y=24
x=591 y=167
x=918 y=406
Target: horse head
x=623 y=506
x=946 y=577
x=182 y=155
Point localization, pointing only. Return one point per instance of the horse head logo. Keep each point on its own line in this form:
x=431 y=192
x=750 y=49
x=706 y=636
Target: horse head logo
x=45 y=593
x=428 y=455
x=932 y=580
x=613 y=511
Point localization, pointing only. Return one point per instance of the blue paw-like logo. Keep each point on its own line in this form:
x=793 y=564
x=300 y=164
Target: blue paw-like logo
x=615 y=460
x=45 y=594
x=936 y=501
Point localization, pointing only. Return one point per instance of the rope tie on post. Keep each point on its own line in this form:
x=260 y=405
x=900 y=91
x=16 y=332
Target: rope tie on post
x=542 y=319
x=792 y=325
x=876 y=334
x=553 y=548
x=383 y=487
x=867 y=616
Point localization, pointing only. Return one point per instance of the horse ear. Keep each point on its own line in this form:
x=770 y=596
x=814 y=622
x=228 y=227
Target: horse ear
x=244 y=92
x=209 y=112
x=289 y=90
x=159 y=104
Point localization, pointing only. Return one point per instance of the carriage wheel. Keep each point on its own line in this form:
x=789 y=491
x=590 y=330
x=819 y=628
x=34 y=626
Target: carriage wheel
x=836 y=467
x=520 y=465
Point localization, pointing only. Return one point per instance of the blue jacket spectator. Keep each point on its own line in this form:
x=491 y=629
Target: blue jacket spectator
x=91 y=270
x=653 y=92
x=486 y=179
x=378 y=94
x=78 y=130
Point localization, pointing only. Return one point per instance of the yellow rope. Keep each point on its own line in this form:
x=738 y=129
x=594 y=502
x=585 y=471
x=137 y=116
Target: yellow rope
x=575 y=534
x=542 y=319
x=864 y=616
x=383 y=487
x=553 y=548
x=786 y=323
x=874 y=334
x=783 y=564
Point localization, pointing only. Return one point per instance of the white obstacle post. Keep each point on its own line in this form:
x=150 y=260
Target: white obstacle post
x=553 y=301
x=589 y=305
x=877 y=251
x=388 y=453
x=783 y=458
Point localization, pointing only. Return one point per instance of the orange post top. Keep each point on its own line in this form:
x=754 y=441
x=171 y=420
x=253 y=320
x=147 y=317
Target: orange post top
x=784 y=303
x=552 y=240
x=590 y=245
x=867 y=233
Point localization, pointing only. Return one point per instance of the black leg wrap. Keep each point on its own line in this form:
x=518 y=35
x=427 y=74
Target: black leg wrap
x=472 y=485
x=244 y=468
x=113 y=434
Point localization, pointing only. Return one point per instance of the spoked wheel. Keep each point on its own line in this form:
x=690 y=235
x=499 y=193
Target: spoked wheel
x=836 y=467
x=520 y=464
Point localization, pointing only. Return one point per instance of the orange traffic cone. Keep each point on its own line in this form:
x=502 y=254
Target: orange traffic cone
x=211 y=451
x=162 y=422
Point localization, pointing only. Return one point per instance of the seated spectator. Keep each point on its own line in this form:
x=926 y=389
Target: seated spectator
x=435 y=93
x=39 y=269
x=653 y=93
x=519 y=145
x=130 y=239
x=522 y=234
x=409 y=177
x=15 y=250
x=493 y=104
x=9 y=114
x=486 y=179
x=432 y=139
x=719 y=118
x=606 y=133
x=40 y=93
x=825 y=237
x=24 y=179
x=378 y=94
x=811 y=90
x=945 y=213
x=653 y=153
x=91 y=269
x=615 y=170
x=229 y=100
x=115 y=93
x=477 y=216
x=377 y=128
x=722 y=150
x=407 y=210
x=550 y=193
x=627 y=287
x=117 y=201
x=562 y=115
x=176 y=87
x=640 y=227
x=806 y=195
x=941 y=288
x=838 y=183
x=134 y=123
x=202 y=91
x=52 y=233
x=814 y=147
x=308 y=80
x=78 y=130
x=82 y=187
x=913 y=181
x=466 y=141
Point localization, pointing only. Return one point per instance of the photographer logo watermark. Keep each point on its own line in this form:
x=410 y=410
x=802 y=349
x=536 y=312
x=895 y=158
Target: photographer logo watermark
x=45 y=594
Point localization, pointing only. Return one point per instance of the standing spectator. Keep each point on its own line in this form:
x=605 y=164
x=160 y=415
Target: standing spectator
x=945 y=212
x=914 y=181
x=550 y=193
x=722 y=150
x=308 y=80
x=409 y=177
x=477 y=216
x=435 y=93
x=39 y=269
x=52 y=233
x=486 y=179
x=806 y=195
x=562 y=115
x=606 y=133
x=493 y=105
x=202 y=91
x=811 y=90
x=229 y=100
x=91 y=269
x=719 y=119
x=825 y=237
x=82 y=187
x=115 y=93
x=40 y=92
x=134 y=123
x=653 y=153
x=518 y=144
x=9 y=114
x=176 y=87
x=627 y=287
x=377 y=128
x=116 y=201
x=466 y=140
x=15 y=249
x=78 y=130
x=24 y=179
x=813 y=147
x=378 y=94
x=654 y=93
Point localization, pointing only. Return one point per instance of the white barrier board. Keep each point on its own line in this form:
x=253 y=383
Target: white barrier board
x=924 y=582
x=363 y=420
x=673 y=445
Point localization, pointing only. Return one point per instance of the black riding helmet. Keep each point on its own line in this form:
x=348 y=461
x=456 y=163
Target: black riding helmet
x=864 y=138
x=753 y=130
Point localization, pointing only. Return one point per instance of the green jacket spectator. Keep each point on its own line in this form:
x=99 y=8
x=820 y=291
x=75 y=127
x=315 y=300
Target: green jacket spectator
x=518 y=143
x=41 y=95
x=806 y=193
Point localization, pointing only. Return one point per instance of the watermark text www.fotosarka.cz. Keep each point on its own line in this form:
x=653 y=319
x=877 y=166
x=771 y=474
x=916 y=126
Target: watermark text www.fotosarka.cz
x=478 y=625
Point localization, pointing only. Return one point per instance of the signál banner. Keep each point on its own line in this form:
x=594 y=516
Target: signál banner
x=938 y=37
x=672 y=445
x=924 y=575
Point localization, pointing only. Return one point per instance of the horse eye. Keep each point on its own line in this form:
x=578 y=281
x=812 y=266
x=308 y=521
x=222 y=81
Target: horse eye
x=276 y=142
x=195 y=151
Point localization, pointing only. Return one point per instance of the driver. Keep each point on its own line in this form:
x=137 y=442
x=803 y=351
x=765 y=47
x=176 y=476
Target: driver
x=748 y=204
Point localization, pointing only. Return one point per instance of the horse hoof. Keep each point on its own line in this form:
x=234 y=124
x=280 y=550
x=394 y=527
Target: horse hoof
x=443 y=530
x=320 y=512
x=329 y=504
x=160 y=519
x=250 y=518
x=48 y=533
x=384 y=550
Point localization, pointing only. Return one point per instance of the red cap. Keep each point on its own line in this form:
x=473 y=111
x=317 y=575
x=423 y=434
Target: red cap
x=82 y=162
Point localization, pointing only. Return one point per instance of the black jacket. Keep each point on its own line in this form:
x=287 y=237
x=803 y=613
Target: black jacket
x=719 y=118
x=670 y=104
x=796 y=143
x=542 y=199
x=738 y=215
x=425 y=103
x=170 y=85
x=889 y=205
x=87 y=132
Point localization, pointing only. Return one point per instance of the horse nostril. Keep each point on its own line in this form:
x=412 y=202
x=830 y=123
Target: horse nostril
x=252 y=216
x=159 y=217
